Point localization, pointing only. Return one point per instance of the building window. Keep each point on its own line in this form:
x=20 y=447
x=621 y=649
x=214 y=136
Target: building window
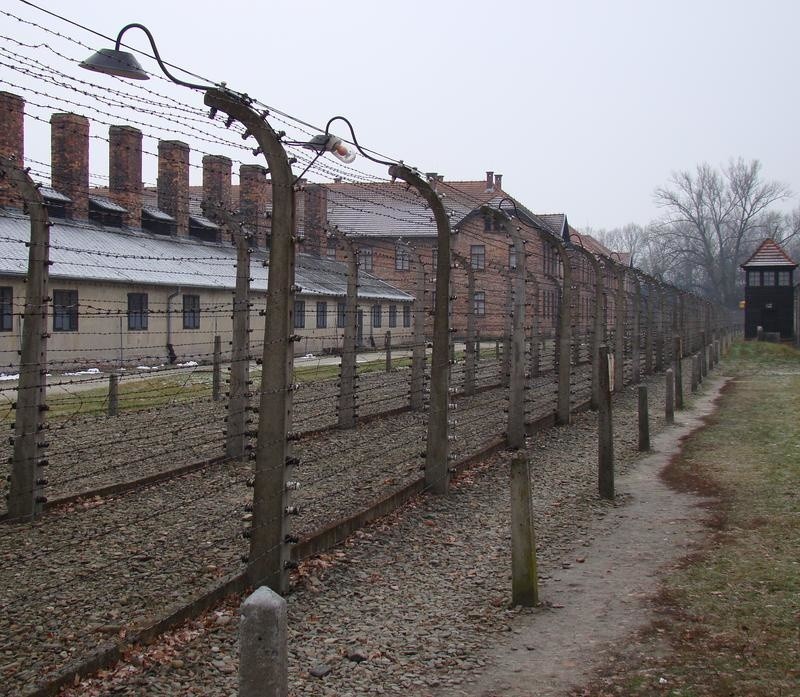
x=402 y=259
x=406 y=315
x=753 y=279
x=769 y=278
x=330 y=251
x=65 y=310
x=322 y=315
x=392 y=316
x=137 y=311
x=365 y=258
x=191 y=312
x=299 y=314
x=477 y=256
x=341 y=313
x=512 y=257
x=6 y=309
x=479 y=303
x=784 y=278
x=376 y=316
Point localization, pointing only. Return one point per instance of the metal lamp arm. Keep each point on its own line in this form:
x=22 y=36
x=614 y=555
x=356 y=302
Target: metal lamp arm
x=388 y=163
x=157 y=56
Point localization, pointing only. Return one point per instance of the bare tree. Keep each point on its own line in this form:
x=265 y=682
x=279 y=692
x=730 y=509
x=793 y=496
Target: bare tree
x=712 y=220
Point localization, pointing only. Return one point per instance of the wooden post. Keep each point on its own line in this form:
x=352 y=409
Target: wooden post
x=669 y=404
x=113 y=394
x=524 y=578
x=387 y=345
x=605 y=432
x=26 y=493
x=644 y=420
x=216 y=369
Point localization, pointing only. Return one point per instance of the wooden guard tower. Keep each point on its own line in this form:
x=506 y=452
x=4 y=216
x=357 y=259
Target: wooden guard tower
x=769 y=291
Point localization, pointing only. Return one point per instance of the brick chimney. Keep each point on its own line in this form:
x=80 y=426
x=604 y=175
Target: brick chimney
x=125 y=171
x=69 y=160
x=12 y=142
x=173 y=182
x=253 y=198
x=216 y=186
x=316 y=220
x=489 y=181
x=498 y=182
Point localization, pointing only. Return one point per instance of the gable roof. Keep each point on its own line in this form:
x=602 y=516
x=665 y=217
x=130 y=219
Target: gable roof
x=87 y=251
x=589 y=243
x=769 y=253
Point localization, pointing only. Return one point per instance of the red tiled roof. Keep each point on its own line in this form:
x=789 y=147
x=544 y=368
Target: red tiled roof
x=589 y=243
x=769 y=253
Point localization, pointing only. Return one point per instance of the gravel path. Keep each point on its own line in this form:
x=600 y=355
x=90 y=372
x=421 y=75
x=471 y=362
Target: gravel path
x=82 y=573
x=407 y=605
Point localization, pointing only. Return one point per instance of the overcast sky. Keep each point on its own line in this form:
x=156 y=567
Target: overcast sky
x=584 y=107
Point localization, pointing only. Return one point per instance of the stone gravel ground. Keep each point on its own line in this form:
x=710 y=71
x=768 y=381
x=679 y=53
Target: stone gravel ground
x=83 y=573
x=89 y=452
x=408 y=604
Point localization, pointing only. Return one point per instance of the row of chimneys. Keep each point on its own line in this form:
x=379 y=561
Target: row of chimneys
x=69 y=134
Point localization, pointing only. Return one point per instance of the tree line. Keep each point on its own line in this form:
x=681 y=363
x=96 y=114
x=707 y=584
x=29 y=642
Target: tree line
x=711 y=221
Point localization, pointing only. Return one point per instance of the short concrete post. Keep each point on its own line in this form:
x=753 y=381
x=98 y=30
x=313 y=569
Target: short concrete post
x=717 y=352
x=605 y=432
x=387 y=344
x=669 y=404
x=644 y=420
x=113 y=394
x=524 y=580
x=478 y=345
x=216 y=369
x=695 y=372
x=759 y=333
x=263 y=660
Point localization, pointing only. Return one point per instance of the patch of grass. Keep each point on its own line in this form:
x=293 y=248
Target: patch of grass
x=731 y=614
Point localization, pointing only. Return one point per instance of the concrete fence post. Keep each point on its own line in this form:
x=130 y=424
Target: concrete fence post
x=239 y=389
x=263 y=651
x=471 y=350
x=620 y=309
x=113 y=394
x=26 y=492
x=644 y=420
x=669 y=403
x=636 y=330
x=605 y=432
x=524 y=578
x=515 y=432
x=695 y=373
x=477 y=345
x=216 y=369
x=348 y=372
x=387 y=345
x=678 y=367
x=417 y=395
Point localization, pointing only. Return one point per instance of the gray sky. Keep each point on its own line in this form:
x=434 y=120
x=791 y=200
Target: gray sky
x=584 y=107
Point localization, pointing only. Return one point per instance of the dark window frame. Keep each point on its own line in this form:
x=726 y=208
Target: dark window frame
x=341 y=315
x=299 y=321
x=477 y=256
x=6 y=309
x=137 y=312
x=406 y=315
x=322 y=314
x=392 y=316
x=191 y=311
x=365 y=258
x=377 y=316
x=784 y=275
x=65 y=310
x=402 y=259
x=479 y=303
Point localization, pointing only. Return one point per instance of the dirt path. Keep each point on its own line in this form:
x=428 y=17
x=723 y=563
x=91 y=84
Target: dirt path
x=600 y=596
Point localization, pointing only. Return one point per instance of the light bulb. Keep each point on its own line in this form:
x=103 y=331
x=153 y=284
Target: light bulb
x=341 y=150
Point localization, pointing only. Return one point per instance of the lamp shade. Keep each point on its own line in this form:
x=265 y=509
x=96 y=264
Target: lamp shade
x=113 y=62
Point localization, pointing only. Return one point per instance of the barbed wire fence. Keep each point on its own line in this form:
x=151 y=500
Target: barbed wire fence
x=167 y=482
